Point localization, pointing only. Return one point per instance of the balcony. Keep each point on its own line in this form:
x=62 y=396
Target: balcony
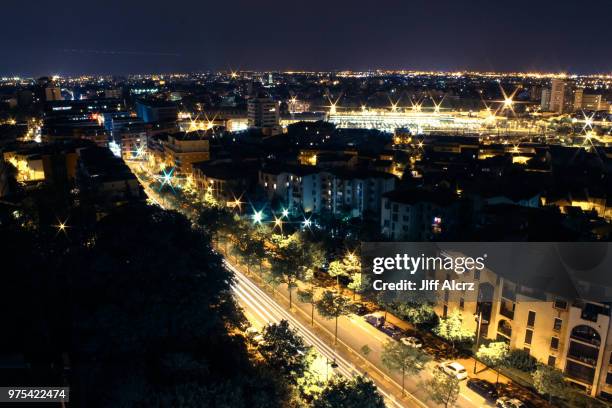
x=504 y=328
x=506 y=309
x=583 y=353
x=508 y=293
x=579 y=372
x=586 y=334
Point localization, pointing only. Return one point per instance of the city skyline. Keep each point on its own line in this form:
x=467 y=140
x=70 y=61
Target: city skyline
x=117 y=38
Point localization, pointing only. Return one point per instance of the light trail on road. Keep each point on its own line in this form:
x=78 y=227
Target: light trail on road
x=269 y=311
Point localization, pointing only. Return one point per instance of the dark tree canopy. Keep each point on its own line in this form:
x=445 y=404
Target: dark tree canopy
x=141 y=307
x=284 y=351
x=358 y=392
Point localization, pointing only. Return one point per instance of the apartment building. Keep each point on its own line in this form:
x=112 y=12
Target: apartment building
x=417 y=214
x=225 y=181
x=359 y=192
x=297 y=186
x=182 y=150
x=563 y=331
x=314 y=190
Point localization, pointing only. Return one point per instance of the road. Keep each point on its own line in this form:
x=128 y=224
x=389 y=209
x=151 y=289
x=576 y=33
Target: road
x=262 y=308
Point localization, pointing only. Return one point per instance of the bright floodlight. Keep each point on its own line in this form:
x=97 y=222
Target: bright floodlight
x=307 y=223
x=285 y=212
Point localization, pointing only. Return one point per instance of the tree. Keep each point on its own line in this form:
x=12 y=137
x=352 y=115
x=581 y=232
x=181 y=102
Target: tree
x=307 y=296
x=419 y=314
x=494 y=355
x=150 y=307
x=336 y=270
x=359 y=283
x=284 y=351
x=252 y=247
x=451 y=329
x=521 y=360
x=358 y=392
x=398 y=356
x=212 y=219
x=311 y=260
x=284 y=265
x=332 y=306
x=442 y=388
x=348 y=266
x=415 y=307
x=257 y=246
x=549 y=381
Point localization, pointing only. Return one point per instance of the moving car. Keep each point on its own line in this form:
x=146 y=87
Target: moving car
x=483 y=388
x=453 y=369
x=412 y=341
x=506 y=402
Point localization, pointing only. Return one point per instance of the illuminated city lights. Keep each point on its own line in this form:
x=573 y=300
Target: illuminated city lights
x=166 y=178
x=257 y=217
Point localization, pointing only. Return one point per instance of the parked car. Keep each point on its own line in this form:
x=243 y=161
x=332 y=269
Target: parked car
x=375 y=320
x=483 y=388
x=507 y=402
x=358 y=308
x=392 y=331
x=453 y=369
x=412 y=341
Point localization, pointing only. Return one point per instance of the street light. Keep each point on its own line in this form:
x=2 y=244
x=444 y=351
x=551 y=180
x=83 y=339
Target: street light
x=278 y=223
x=257 y=217
x=307 y=223
x=61 y=226
x=285 y=212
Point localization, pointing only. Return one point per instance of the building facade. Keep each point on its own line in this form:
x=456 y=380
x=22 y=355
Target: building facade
x=573 y=335
x=263 y=114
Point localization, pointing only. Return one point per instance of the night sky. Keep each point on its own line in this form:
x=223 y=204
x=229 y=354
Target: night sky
x=119 y=37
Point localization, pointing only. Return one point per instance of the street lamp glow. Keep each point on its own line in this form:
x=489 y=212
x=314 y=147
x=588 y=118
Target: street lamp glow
x=285 y=212
x=257 y=217
x=278 y=222
x=588 y=122
x=61 y=226
x=307 y=223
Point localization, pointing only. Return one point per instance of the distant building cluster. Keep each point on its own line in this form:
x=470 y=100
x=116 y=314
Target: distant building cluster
x=564 y=96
